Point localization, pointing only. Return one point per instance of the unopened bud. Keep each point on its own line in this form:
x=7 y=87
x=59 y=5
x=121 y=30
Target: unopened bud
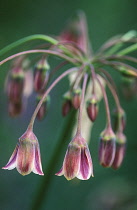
x=14 y=109
x=127 y=72
x=92 y=108
x=76 y=98
x=120 y=150
x=129 y=86
x=44 y=107
x=41 y=75
x=67 y=105
x=75 y=32
x=15 y=85
x=119 y=120
x=107 y=147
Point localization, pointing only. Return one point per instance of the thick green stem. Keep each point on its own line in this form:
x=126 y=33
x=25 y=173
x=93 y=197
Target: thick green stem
x=43 y=189
x=27 y=39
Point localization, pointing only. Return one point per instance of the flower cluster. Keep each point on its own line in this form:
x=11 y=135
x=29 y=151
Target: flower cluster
x=72 y=45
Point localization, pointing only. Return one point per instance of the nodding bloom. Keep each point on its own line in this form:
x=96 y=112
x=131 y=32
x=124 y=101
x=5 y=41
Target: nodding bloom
x=15 y=85
x=120 y=150
x=77 y=161
x=87 y=75
x=107 y=147
x=26 y=156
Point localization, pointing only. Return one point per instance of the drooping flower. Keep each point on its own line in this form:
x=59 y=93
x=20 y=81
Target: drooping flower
x=77 y=161
x=26 y=156
x=107 y=147
x=14 y=109
x=120 y=150
x=15 y=85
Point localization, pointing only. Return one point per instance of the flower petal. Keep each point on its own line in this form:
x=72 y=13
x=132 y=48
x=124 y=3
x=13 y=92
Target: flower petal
x=12 y=161
x=71 y=162
x=107 y=149
x=37 y=161
x=86 y=167
x=60 y=172
x=25 y=157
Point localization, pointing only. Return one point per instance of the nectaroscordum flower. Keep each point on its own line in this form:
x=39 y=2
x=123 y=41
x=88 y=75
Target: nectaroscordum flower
x=107 y=147
x=26 y=156
x=77 y=161
x=120 y=150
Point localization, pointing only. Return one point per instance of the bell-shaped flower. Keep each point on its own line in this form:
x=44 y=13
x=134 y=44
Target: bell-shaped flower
x=77 y=161
x=26 y=156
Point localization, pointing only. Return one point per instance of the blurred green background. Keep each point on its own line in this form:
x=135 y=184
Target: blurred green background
x=109 y=189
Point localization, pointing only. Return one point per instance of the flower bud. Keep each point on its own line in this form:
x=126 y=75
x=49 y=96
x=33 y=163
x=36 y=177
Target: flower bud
x=26 y=156
x=107 y=147
x=92 y=108
x=67 y=105
x=75 y=32
x=77 y=161
x=76 y=98
x=129 y=86
x=119 y=119
x=120 y=150
x=44 y=107
x=14 y=109
x=41 y=75
x=127 y=72
x=15 y=85
x=72 y=34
